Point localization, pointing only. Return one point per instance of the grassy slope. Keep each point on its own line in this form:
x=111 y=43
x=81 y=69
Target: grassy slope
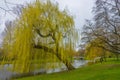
x=105 y=71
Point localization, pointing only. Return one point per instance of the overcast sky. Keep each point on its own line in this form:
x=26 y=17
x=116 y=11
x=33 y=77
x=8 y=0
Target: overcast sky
x=80 y=9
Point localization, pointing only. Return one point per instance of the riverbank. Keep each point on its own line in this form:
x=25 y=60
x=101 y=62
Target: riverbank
x=109 y=70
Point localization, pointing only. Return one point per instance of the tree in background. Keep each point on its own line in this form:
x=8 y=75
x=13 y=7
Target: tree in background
x=105 y=27
x=107 y=18
x=7 y=41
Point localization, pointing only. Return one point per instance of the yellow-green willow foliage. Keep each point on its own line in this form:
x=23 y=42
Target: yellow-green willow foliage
x=93 y=52
x=43 y=34
x=94 y=49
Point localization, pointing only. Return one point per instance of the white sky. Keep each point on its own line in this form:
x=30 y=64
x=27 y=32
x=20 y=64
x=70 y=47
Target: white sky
x=80 y=9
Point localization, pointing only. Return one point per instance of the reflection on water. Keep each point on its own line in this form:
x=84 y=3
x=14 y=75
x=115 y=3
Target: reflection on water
x=76 y=64
x=79 y=63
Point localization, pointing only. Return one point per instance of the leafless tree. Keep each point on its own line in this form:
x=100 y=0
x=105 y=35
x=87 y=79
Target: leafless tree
x=106 y=25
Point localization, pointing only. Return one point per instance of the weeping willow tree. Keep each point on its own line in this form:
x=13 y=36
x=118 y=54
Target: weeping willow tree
x=95 y=49
x=42 y=33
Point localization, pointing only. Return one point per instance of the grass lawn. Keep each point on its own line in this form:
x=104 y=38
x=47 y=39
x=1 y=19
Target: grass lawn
x=106 y=71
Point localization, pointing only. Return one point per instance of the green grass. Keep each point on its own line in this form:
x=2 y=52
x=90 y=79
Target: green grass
x=106 y=71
